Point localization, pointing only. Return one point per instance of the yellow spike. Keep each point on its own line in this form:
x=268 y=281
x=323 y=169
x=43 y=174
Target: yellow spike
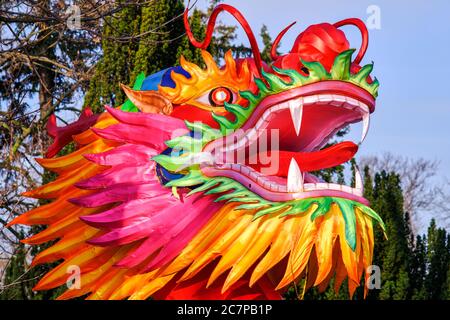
x=75 y=159
x=280 y=247
x=191 y=68
x=59 y=275
x=219 y=246
x=363 y=236
x=109 y=284
x=91 y=279
x=300 y=253
x=257 y=247
x=328 y=232
x=150 y=288
x=131 y=284
x=64 y=247
x=349 y=257
x=215 y=228
x=235 y=252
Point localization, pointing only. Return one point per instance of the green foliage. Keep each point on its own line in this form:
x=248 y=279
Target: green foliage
x=186 y=49
x=116 y=64
x=391 y=255
x=160 y=48
x=141 y=40
x=267 y=41
x=418 y=271
x=438 y=257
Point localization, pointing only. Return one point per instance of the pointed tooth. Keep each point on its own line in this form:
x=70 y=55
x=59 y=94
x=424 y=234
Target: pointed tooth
x=295 y=177
x=358 y=180
x=366 y=123
x=364 y=107
x=296 y=115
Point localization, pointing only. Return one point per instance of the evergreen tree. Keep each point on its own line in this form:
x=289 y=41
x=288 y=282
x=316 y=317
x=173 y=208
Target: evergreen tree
x=418 y=268
x=160 y=49
x=116 y=63
x=267 y=41
x=186 y=49
x=392 y=255
x=438 y=263
x=151 y=39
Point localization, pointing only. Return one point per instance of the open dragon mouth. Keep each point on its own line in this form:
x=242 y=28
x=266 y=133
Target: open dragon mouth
x=277 y=148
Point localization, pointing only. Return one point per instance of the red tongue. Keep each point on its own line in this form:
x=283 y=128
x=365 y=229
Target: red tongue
x=311 y=161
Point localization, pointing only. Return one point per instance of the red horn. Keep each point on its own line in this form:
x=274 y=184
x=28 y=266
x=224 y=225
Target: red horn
x=364 y=34
x=273 y=50
x=210 y=29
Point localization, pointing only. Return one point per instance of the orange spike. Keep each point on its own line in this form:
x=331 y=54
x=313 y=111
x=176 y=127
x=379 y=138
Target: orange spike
x=58 y=187
x=94 y=278
x=60 y=274
x=75 y=159
x=61 y=227
x=49 y=213
x=341 y=271
x=70 y=243
x=88 y=136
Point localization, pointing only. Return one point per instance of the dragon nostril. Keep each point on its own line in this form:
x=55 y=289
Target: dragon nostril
x=305 y=70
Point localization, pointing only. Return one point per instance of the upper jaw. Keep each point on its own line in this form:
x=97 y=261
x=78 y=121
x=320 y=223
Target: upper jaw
x=356 y=106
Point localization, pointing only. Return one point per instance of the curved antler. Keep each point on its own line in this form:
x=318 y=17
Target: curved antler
x=210 y=29
x=364 y=34
x=276 y=42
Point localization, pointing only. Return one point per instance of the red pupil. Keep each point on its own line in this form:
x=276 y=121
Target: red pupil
x=220 y=96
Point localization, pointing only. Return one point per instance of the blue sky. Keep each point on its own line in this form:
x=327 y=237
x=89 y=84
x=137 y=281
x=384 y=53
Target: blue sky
x=411 y=52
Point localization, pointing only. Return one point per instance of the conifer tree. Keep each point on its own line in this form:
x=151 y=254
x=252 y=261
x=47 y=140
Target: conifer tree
x=136 y=40
x=418 y=268
x=438 y=263
x=116 y=63
x=267 y=42
x=392 y=255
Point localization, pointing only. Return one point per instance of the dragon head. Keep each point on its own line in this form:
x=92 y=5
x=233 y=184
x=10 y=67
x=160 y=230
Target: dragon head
x=257 y=131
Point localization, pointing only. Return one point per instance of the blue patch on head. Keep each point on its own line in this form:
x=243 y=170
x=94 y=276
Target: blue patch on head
x=163 y=78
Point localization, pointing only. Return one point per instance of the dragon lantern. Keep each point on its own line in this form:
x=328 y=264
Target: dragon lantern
x=201 y=185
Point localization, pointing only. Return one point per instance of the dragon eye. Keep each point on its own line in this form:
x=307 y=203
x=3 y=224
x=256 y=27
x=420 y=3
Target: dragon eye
x=218 y=96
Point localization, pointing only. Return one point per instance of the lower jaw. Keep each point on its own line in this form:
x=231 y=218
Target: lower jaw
x=281 y=196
